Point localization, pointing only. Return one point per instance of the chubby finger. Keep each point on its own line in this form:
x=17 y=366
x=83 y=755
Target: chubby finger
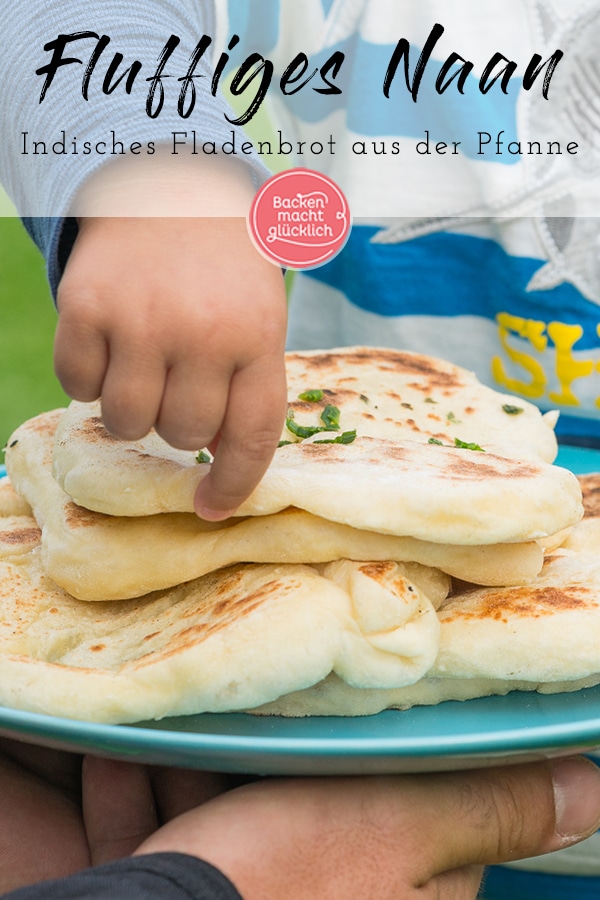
x=132 y=391
x=80 y=349
x=248 y=437
x=193 y=405
x=118 y=807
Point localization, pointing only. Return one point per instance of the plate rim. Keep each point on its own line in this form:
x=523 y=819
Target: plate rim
x=144 y=738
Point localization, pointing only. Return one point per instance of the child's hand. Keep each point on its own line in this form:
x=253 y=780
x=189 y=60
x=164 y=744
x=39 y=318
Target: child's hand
x=179 y=324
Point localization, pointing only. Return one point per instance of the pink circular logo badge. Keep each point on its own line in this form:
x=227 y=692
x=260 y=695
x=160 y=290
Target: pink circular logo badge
x=299 y=219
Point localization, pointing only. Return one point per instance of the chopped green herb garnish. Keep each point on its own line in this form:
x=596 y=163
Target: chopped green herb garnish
x=285 y=443
x=452 y=418
x=512 y=410
x=430 y=400
x=301 y=431
x=347 y=437
x=204 y=457
x=406 y=405
x=331 y=418
x=311 y=396
x=364 y=398
x=463 y=445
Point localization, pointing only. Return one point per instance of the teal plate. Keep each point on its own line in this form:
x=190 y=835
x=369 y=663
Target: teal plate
x=452 y=735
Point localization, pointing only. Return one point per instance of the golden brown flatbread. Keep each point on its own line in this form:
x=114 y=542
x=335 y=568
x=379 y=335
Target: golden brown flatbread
x=230 y=640
x=391 y=479
x=541 y=637
x=100 y=557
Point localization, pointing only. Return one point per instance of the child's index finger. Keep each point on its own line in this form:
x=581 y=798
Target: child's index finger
x=247 y=440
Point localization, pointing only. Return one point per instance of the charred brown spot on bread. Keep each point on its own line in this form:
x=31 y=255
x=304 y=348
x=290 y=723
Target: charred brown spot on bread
x=381 y=358
x=97 y=648
x=219 y=616
x=343 y=395
x=149 y=637
x=380 y=571
x=78 y=517
x=435 y=371
x=526 y=602
x=228 y=583
x=302 y=406
x=467 y=464
x=460 y=467
x=46 y=423
x=328 y=453
x=21 y=536
x=590 y=489
x=242 y=604
x=93 y=428
x=386 y=359
x=377 y=570
x=523 y=470
x=338 y=397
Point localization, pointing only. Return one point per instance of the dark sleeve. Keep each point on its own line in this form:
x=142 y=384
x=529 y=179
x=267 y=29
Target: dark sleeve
x=158 y=876
x=55 y=237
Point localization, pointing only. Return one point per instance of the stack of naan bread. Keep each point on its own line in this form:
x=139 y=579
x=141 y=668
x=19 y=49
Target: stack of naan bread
x=393 y=554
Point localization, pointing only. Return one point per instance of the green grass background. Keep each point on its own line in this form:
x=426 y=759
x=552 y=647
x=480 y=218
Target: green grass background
x=28 y=385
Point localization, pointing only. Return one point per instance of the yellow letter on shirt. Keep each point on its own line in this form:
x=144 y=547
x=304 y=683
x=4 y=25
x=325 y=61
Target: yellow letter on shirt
x=568 y=369
x=533 y=332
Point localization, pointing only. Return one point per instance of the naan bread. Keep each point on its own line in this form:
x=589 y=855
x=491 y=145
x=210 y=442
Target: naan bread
x=229 y=640
x=541 y=637
x=390 y=480
x=334 y=697
x=99 y=557
x=349 y=639
x=11 y=503
x=590 y=492
x=18 y=535
x=585 y=537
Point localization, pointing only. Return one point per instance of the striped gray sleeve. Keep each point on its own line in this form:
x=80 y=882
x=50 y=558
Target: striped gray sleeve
x=42 y=185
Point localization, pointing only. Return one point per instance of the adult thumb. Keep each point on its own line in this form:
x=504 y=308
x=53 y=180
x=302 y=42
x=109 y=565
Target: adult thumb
x=496 y=815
